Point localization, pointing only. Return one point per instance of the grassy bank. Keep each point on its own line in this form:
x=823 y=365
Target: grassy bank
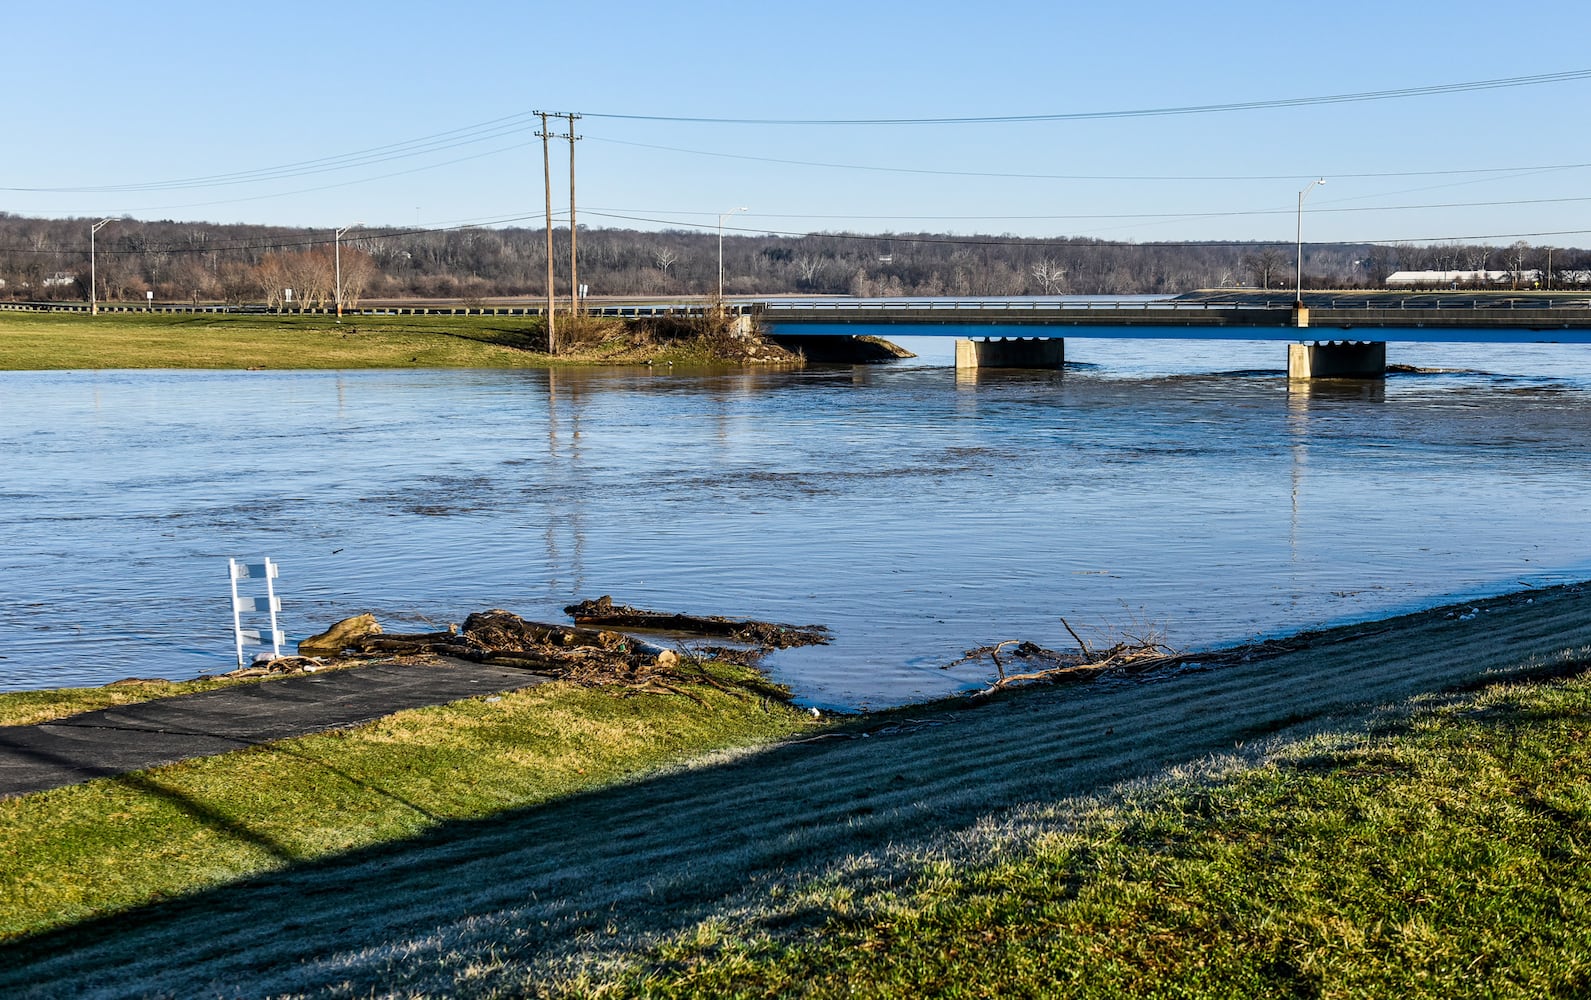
x=1439 y=851
x=46 y=341
x=96 y=848
x=37 y=341
x=1394 y=808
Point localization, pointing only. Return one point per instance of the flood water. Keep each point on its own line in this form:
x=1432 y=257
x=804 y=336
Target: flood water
x=1152 y=484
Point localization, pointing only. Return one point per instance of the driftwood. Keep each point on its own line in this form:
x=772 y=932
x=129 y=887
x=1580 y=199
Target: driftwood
x=1132 y=655
x=504 y=638
x=770 y=635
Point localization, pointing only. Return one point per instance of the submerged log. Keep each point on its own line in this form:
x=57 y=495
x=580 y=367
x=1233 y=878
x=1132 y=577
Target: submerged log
x=773 y=635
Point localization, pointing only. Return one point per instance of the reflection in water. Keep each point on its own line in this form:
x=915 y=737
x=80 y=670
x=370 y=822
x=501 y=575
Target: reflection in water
x=916 y=513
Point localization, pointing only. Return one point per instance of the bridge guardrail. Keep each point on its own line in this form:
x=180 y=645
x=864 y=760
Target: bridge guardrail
x=774 y=307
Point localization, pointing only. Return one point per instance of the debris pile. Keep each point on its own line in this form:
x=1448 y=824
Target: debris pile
x=577 y=653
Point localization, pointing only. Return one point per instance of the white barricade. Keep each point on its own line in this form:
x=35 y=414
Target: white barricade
x=267 y=571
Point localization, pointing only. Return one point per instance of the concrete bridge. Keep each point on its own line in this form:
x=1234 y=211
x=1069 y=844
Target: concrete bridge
x=1329 y=335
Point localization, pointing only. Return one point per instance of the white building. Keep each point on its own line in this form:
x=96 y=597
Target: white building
x=1461 y=279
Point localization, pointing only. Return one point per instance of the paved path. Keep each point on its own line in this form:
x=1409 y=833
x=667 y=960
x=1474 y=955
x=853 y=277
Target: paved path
x=133 y=737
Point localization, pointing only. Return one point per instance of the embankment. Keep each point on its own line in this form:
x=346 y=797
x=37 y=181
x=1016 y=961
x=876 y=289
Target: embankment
x=546 y=891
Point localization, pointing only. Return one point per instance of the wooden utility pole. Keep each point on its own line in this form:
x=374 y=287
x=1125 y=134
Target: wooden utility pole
x=546 y=171
x=574 y=268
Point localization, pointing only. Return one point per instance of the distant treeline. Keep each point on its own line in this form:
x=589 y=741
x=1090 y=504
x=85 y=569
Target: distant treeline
x=43 y=259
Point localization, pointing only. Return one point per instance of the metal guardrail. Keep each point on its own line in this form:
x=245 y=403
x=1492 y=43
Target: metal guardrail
x=994 y=305
x=774 y=307
x=628 y=312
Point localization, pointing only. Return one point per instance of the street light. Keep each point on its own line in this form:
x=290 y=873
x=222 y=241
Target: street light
x=337 y=257
x=721 y=217
x=93 y=273
x=1298 y=288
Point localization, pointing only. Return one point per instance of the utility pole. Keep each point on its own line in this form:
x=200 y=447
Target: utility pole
x=93 y=269
x=574 y=268
x=1298 y=285
x=546 y=171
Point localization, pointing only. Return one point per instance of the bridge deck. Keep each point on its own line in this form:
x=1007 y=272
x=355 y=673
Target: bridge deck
x=1476 y=320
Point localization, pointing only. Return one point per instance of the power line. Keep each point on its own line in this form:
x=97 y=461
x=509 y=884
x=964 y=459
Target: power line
x=1107 y=217
x=1073 y=241
x=339 y=184
x=1010 y=175
x=1194 y=109
x=521 y=121
x=454 y=138
x=280 y=243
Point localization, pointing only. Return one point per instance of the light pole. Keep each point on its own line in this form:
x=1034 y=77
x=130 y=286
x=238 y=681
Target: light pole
x=337 y=263
x=93 y=272
x=721 y=217
x=1298 y=287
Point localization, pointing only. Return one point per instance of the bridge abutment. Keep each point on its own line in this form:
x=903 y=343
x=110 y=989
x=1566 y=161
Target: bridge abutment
x=1344 y=359
x=1023 y=352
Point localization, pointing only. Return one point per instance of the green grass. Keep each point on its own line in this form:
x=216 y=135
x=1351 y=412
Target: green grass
x=69 y=341
x=73 y=853
x=38 y=341
x=1443 y=853
x=1261 y=828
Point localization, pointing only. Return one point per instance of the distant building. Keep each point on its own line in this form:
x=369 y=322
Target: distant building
x=1460 y=279
x=60 y=278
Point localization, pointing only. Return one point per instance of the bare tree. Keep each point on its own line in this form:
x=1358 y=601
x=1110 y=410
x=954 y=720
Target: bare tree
x=273 y=276
x=1265 y=265
x=1515 y=259
x=358 y=271
x=807 y=266
x=1050 y=275
x=312 y=275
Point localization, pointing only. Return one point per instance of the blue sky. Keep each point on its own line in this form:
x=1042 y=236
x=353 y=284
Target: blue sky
x=186 y=110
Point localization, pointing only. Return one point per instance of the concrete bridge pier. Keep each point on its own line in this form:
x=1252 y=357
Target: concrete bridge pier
x=1015 y=352
x=1341 y=359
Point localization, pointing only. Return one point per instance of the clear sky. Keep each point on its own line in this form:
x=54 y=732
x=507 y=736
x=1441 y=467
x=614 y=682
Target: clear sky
x=398 y=113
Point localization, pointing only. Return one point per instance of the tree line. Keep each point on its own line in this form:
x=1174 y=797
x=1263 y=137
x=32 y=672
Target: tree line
x=43 y=259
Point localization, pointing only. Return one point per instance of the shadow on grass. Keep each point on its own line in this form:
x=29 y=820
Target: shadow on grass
x=658 y=855
x=651 y=854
